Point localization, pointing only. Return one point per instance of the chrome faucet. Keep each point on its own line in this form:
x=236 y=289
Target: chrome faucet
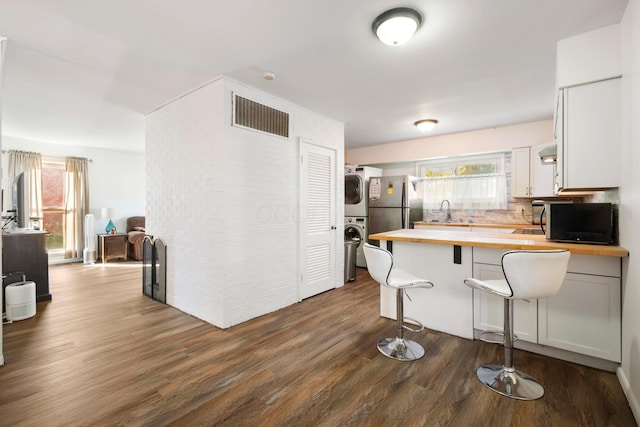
x=448 y=209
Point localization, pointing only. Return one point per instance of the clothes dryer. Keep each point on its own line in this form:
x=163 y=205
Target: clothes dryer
x=356 y=189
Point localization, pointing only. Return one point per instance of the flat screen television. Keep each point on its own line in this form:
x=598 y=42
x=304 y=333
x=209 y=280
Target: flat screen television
x=19 y=200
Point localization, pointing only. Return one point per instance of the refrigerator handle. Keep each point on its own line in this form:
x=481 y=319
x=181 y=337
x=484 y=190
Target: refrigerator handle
x=404 y=192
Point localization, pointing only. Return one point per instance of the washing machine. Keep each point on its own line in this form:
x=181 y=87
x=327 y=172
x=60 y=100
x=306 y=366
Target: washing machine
x=356 y=189
x=357 y=228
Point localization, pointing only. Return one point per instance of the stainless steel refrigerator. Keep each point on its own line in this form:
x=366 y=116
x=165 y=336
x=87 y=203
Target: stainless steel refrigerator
x=393 y=203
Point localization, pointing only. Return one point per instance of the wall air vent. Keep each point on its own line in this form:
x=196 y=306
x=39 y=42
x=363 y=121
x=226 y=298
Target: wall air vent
x=253 y=115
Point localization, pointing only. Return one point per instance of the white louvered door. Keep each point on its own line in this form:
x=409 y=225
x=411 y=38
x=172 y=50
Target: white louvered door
x=317 y=220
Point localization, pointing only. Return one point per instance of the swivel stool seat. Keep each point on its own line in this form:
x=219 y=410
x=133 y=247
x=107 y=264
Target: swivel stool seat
x=528 y=275
x=380 y=266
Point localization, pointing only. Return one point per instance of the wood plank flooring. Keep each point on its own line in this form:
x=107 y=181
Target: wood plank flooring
x=102 y=354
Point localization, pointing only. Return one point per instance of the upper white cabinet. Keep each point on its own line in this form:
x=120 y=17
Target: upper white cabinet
x=588 y=108
x=529 y=176
x=589 y=57
x=520 y=172
x=588 y=134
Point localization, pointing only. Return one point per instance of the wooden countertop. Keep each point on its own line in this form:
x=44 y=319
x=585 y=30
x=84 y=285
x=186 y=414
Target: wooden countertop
x=498 y=240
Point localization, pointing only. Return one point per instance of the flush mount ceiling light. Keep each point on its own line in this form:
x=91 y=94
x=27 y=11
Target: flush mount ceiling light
x=426 y=125
x=268 y=75
x=396 y=26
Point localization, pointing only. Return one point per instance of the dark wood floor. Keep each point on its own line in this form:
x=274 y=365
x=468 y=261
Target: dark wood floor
x=101 y=353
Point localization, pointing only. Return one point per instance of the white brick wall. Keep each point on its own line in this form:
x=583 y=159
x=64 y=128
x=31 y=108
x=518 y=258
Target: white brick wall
x=225 y=200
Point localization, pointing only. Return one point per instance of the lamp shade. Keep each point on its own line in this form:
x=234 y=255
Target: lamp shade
x=396 y=26
x=107 y=213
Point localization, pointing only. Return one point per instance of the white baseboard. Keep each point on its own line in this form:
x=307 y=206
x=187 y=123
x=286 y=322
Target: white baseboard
x=631 y=398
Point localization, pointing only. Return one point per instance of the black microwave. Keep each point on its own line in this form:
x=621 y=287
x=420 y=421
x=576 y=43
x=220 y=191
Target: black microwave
x=580 y=222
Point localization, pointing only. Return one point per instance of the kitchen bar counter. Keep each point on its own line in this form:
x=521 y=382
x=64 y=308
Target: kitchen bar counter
x=589 y=300
x=497 y=240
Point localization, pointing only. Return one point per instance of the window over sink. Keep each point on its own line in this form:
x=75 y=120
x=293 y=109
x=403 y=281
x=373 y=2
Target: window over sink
x=468 y=182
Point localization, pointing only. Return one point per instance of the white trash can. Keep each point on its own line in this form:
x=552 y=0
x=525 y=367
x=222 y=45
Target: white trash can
x=20 y=299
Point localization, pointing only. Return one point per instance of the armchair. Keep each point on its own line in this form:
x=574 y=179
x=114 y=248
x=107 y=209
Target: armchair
x=135 y=235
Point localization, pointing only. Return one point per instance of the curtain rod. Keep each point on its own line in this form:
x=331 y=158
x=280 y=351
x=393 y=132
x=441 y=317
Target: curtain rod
x=46 y=155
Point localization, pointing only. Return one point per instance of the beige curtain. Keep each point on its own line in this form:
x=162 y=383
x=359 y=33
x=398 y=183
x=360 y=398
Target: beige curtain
x=76 y=205
x=31 y=165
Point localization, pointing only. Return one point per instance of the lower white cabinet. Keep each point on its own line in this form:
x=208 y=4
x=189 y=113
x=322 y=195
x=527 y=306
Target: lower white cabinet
x=488 y=309
x=583 y=317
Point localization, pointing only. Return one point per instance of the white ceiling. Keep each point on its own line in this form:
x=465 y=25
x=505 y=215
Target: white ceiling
x=85 y=71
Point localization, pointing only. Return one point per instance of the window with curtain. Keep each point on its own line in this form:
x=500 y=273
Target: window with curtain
x=31 y=164
x=53 y=178
x=469 y=182
x=76 y=205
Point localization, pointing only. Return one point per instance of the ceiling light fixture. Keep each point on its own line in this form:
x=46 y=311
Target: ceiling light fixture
x=426 y=125
x=396 y=26
x=268 y=75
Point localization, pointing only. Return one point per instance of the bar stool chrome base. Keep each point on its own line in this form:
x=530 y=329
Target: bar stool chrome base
x=400 y=349
x=510 y=382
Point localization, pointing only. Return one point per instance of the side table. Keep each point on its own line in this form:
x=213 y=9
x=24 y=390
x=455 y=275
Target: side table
x=112 y=246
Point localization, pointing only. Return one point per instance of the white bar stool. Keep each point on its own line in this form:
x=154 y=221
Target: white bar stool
x=528 y=275
x=380 y=266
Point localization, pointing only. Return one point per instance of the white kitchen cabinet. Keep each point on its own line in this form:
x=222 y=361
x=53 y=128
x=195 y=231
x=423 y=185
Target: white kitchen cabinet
x=588 y=134
x=488 y=309
x=520 y=172
x=541 y=175
x=583 y=317
x=589 y=57
x=529 y=176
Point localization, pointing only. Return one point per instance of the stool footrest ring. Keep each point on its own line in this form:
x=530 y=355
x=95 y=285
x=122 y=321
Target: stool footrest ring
x=420 y=326
x=494 y=337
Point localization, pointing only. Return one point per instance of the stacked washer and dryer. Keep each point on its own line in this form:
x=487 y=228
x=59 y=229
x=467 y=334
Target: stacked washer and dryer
x=356 y=206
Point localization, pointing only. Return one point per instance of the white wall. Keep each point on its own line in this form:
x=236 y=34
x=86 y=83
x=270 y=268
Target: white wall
x=225 y=200
x=480 y=141
x=116 y=178
x=2 y=48
x=629 y=373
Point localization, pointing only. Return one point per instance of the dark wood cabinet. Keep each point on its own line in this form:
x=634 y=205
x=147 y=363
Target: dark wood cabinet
x=27 y=252
x=112 y=246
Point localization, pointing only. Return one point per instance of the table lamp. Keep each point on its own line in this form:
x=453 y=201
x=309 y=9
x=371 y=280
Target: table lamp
x=109 y=213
